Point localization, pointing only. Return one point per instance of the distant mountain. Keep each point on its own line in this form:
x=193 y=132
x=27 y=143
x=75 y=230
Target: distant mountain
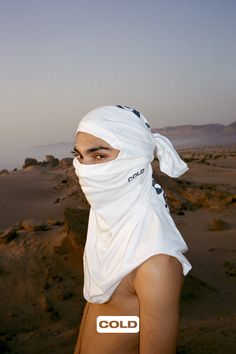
x=182 y=136
x=187 y=136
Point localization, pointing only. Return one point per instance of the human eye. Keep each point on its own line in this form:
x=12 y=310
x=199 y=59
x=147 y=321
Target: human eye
x=75 y=153
x=100 y=156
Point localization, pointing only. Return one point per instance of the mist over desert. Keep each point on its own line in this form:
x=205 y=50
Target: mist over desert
x=43 y=231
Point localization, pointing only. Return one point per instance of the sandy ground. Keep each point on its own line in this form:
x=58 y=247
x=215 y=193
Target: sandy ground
x=41 y=274
x=36 y=192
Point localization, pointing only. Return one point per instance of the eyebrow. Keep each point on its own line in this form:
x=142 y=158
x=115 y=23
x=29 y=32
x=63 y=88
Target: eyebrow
x=93 y=149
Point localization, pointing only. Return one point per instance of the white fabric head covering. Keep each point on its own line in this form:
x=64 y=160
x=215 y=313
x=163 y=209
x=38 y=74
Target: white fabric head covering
x=128 y=221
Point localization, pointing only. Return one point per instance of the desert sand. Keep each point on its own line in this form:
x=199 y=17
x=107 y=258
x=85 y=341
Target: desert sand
x=43 y=230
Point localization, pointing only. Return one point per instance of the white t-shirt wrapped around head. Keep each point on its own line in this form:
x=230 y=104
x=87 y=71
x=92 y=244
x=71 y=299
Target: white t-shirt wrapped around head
x=128 y=221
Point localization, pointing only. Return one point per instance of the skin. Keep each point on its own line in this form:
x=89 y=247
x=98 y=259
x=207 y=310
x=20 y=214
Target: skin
x=90 y=149
x=151 y=291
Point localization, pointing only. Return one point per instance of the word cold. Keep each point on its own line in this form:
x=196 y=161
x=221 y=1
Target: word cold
x=117 y=324
x=135 y=175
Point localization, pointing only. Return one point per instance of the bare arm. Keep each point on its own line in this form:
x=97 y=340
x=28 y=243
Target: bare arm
x=79 y=340
x=158 y=283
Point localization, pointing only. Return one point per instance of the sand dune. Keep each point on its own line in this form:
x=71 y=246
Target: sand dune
x=43 y=222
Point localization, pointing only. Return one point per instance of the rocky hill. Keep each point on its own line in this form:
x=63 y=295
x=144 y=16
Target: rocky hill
x=187 y=136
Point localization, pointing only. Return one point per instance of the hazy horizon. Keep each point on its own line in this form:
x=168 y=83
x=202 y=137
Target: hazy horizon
x=173 y=61
x=63 y=149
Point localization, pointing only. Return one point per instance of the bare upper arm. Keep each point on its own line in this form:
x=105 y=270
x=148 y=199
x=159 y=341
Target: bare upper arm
x=158 y=282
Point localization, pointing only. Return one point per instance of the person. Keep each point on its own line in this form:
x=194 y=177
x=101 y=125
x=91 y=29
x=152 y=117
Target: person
x=133 y=258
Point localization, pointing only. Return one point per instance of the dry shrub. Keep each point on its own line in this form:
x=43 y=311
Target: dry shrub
x=218 y=225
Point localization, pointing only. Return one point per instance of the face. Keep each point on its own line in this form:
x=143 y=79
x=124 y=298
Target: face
x=92 y=150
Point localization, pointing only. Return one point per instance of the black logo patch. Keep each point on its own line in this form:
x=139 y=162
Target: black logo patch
x=137 y=113
x=160 y=190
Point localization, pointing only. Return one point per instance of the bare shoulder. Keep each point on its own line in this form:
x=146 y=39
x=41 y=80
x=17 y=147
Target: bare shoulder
x=157 y=261
x=158 y=282
x=158 y=269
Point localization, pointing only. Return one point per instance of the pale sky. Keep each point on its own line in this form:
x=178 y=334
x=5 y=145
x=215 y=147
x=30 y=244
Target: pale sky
x=174 y=60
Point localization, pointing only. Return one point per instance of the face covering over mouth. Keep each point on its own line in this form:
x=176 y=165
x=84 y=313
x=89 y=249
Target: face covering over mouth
x=128 y=220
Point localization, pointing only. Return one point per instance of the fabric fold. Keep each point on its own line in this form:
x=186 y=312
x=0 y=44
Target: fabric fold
x=170 y=161
x=129 y=218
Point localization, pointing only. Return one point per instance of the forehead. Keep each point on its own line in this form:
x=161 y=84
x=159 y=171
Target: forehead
x=85 y=139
